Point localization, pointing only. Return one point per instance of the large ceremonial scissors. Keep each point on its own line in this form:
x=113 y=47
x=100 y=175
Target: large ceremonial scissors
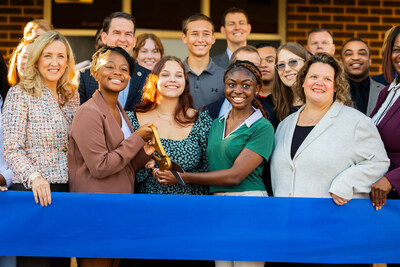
x=164 y=162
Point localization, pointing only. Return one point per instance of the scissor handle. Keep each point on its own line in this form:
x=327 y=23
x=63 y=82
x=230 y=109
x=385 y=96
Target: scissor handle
x=157 y=144
x=164 y=163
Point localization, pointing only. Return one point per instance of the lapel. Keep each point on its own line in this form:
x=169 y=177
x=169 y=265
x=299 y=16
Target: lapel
x=125 y=116
x=321 y=127
x=137 y=81
x=289 y=133
x=381 y=99
x=392 y=111
x=131 y=94
x=117 y=135
x=374 y=90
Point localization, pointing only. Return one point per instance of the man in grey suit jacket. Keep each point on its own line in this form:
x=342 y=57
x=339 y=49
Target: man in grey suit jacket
x=118 y=30
x=236 y=28
x=356 y=59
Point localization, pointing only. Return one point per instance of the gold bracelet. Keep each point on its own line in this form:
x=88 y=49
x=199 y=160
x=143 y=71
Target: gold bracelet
x=33 y=178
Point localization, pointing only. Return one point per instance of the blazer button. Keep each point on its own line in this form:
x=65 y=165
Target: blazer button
x=290 y=194
x=291 y=168
x=65 y=149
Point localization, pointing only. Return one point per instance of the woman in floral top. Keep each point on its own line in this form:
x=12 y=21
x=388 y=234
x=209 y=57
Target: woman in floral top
x=183 y=131
x=37 y=116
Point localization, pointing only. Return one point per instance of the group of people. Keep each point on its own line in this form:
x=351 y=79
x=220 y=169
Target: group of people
x=90 y=130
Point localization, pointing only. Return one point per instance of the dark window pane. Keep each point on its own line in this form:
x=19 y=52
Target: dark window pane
x=82 y=16
x=162 y=14
x=263 y=14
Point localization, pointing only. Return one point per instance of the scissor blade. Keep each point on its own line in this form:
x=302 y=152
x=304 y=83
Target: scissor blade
x=176 y=167
x=178 y=177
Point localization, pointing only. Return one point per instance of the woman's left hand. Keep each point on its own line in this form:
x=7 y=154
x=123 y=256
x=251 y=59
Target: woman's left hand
x=3 y=188
x=41 y=191
x=148 y=147
x=339 y=200
x=150 y=164
x=379 y=191
x=164 y=177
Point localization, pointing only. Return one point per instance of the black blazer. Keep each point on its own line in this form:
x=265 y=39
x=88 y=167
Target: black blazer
x=88 y=85
x=214 y=108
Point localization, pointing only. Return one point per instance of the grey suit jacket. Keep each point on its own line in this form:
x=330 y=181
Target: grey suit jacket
x=374 y=90
x=221 y=60
x=343 y=154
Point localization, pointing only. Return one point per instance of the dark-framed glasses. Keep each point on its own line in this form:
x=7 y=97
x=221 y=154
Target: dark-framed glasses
x=291 y=63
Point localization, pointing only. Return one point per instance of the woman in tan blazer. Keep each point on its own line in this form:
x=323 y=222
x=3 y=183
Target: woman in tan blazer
x=104 y=152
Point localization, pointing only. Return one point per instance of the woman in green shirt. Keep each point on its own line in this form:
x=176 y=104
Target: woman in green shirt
x=239 y=144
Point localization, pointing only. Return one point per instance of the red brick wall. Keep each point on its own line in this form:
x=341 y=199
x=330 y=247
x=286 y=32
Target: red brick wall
x=366 y=19
x=14 y=14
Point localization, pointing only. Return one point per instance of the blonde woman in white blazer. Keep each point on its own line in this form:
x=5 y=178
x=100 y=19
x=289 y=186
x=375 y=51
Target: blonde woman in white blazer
x=326 y=149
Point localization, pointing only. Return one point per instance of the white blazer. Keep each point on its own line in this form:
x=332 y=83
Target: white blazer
x=343 y=154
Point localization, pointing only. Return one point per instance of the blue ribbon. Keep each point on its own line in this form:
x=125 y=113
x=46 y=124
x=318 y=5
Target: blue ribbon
x=199 y=228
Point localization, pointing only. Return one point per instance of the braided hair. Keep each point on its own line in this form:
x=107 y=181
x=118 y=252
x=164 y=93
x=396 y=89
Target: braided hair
x=245 y=64
x=106 y=50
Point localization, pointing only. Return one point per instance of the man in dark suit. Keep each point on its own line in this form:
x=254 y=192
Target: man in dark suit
x=236 y=28
x=356 y=59
x=118 y=30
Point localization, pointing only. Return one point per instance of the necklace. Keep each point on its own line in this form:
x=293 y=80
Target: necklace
x=166 y=117
x=232 y=125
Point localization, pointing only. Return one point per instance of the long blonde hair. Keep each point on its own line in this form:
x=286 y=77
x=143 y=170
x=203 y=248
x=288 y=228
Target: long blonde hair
x=32 y=81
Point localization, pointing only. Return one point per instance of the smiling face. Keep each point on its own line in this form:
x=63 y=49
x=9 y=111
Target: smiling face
x=236 y=29
x=288 y=74
x=22 y=58
x=319 y=85
x=148 y=55
x=356 y=60
x=171 y=81
x=112 y=72
x=121 y=33
x=240 y=88
x=396 y=54
x=320 y=42
x=52 y=63
x=199 y=38
x=267 y=55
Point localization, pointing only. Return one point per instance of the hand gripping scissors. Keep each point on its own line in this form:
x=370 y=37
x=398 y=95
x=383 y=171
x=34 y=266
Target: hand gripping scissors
x=165 y=163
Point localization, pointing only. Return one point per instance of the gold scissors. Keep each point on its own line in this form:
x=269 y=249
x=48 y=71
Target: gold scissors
x=165 y=163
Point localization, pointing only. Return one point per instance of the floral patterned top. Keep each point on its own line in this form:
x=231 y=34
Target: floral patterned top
x=36 y=132
x=189 y=153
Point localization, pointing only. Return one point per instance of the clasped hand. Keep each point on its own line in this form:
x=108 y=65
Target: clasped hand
x=379 y=191
x=164 y=177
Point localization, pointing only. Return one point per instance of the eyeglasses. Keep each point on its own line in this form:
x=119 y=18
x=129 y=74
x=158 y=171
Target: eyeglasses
x=291 y=63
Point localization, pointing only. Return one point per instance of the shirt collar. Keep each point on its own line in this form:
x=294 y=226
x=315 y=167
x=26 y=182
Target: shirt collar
x=229 y=52
x=210 y=68
x=364 y=83
x=257 y=114
x=394 y=85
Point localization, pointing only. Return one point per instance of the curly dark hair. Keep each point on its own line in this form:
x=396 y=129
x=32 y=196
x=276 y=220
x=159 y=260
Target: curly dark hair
x=341 y=84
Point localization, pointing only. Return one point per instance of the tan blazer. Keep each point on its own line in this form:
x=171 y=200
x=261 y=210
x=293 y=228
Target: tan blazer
x=99 y=158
